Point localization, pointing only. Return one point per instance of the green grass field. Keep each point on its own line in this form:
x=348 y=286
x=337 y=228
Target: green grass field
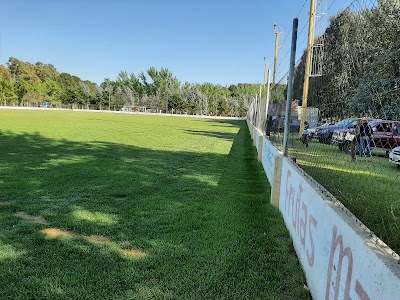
x=107 y=206
x=369 y=186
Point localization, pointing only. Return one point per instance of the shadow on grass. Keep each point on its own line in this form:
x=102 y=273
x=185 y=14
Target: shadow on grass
x=221 y=135
x=227 y=122
x=201 y=223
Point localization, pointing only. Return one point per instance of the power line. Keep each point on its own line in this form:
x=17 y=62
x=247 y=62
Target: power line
x=301 y=9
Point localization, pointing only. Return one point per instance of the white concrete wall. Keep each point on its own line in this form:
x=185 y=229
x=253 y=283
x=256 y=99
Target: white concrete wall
x=269 y=152
x=259 y=136
x=338 y=254
x=266 y=150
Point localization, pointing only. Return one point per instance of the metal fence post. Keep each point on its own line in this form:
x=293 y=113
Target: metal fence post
x=290 y=87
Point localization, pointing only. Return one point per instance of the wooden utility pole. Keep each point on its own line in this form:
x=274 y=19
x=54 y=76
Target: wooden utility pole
x=277 y=33
x=308 y=65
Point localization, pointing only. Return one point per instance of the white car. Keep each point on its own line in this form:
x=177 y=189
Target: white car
x=394 y=156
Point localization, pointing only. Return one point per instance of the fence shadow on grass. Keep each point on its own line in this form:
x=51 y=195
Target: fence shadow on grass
x=222 y=135
x=125 y=222
x=226 y=122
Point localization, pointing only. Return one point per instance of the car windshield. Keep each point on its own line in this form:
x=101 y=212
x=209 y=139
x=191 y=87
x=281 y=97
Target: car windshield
x=345 y=122
x=352 y=124
x=325 y=125
x=373 y=123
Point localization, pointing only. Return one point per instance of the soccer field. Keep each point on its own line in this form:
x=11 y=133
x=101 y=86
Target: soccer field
x=109 y=206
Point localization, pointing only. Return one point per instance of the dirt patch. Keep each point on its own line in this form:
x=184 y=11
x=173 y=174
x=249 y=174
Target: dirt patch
x=55 y=233
x=33 y=219
x=133 y=253
x=97 y=239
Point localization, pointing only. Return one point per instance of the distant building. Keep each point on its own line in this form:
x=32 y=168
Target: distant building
x=277 y=111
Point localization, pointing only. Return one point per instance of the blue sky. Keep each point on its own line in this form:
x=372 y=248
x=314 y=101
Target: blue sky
x=218 y=41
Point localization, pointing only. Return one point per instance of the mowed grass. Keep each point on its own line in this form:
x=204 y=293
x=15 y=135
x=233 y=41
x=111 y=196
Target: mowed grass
x=369 y=186
x=106 y=206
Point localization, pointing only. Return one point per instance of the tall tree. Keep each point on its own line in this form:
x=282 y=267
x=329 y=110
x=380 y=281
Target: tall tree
x=52 y=90
x=5 y=73
x=24 y=70
x=7 y=92
x=45 y=71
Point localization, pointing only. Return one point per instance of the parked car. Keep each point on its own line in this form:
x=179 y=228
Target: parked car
x=394 y=156
x=320 y=131
x=325 y=134
x=311 y=132
x=342 y=137
x=385 y=136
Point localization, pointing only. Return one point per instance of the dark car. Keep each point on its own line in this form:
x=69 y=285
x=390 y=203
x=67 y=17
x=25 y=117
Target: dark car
x=320 y=131
x=325 y=134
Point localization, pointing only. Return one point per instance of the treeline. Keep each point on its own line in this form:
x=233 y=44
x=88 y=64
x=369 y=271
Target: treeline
x=360 y=64
x=23 y=82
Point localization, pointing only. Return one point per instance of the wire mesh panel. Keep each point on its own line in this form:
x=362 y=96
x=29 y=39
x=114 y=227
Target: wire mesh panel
x=276 y=112
x=351 y=141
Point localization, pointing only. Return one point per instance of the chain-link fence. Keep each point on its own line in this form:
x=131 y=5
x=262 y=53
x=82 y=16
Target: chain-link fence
x=351 y=141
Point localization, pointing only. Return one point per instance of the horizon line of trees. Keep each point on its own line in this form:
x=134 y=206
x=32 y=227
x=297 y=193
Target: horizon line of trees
x=24 y=82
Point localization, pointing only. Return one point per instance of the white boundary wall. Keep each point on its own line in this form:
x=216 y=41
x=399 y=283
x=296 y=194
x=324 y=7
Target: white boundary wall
x=269 y=153
x=341 y=258
x=338 y=254
x=258 y=136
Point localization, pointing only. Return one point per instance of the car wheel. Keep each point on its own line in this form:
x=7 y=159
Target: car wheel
x=347 y=147
x=357 y=147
